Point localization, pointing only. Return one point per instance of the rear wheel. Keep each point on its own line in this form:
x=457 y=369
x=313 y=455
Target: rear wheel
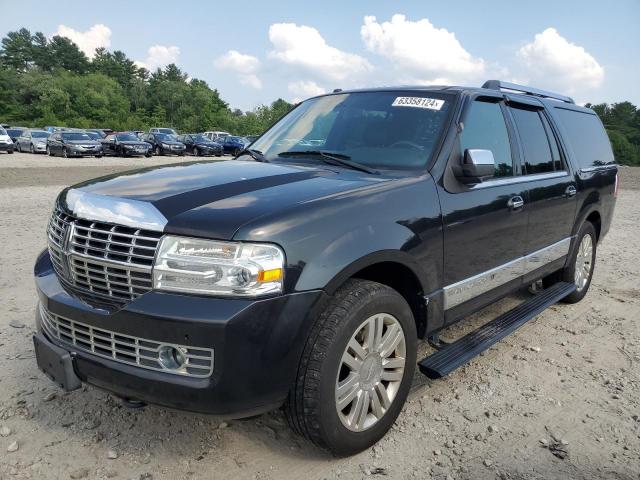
x=196 y=152
x=580 y=265
x=158 y=150
x=31 y=150
x=356 y=369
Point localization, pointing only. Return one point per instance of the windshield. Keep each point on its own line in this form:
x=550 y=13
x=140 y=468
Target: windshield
x=395 y=130
x=164 y=137
x=75 y=136
x=168 y=131
x=199 y=138
x=39 y=134
x=127 y=137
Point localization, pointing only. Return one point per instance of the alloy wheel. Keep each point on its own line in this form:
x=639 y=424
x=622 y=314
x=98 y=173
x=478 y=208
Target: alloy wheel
x=371 y=371
x=584 y=261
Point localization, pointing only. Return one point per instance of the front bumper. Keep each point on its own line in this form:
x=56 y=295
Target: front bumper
x=40 y=148
x=257 y=345
x=79 y=152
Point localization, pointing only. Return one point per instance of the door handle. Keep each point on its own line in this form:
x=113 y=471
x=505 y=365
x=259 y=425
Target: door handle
x=570 y=191
x=515 y=203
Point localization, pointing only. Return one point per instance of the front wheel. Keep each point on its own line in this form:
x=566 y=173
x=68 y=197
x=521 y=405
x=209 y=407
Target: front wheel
x=356 y=369
x=65 y=153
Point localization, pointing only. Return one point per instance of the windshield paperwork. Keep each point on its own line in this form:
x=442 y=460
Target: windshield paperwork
x=75 y=136
x=388 y=130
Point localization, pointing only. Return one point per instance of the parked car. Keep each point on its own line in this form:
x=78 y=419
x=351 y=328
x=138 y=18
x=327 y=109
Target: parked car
x=94 y=135
x=101 y=133
x=197 y=144
x=6 y=144
x=15 y=132
x=168 y=131
x=32 y=141
x=216 y=135
x=73 y=144
x=51 y=129
x=234 y=145
x=306 y=277
x=164 y=144
x=125 y=144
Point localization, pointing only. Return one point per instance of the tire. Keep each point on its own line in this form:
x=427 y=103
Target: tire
x=196 y=152
x=578 y=257
x=10 y=152
x=148 y=155
x=31 y=150
x=158 y=151
x=98 y=156
x=49 y=152
x=312 y=405
x=65 y=154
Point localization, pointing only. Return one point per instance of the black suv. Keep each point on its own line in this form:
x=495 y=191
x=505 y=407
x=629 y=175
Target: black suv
x=304 y=273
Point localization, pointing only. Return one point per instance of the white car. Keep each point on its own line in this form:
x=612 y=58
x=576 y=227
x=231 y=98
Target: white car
x=6 y=144
x=214 y=136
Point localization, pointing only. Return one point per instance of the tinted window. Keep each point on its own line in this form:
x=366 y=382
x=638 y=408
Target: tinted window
x=535 y=144
x=553 y=141
x=127 y=137
x=75 y=136
x=485 y=128
x=587 y=137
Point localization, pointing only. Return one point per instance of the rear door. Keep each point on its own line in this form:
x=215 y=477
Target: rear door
x=551 y=189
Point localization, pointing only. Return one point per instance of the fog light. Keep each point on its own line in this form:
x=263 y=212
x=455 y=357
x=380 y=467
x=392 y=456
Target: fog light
x=172 y=358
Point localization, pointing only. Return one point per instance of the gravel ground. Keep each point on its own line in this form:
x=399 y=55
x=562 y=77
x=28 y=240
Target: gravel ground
x=559 y=398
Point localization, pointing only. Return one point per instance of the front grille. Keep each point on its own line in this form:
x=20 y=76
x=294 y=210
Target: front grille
x=121 y=348
x=100 y=259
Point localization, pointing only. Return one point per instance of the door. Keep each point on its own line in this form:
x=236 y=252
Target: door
x=551 y=189
x=485 y=224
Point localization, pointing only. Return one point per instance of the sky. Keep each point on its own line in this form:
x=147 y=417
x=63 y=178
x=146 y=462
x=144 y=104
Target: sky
x=256 y=52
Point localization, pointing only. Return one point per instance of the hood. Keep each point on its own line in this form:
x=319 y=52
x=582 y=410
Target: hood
x=5 y=138
x=82 y=142
x=207 y=199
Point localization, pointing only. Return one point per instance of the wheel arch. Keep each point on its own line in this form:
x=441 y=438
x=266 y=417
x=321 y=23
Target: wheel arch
x=394 y=269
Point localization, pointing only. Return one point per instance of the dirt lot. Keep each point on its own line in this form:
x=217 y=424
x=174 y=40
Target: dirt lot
x=560 y=398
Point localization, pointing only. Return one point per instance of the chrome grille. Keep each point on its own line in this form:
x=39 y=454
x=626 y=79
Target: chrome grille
x=105 y=260
x=121 y=348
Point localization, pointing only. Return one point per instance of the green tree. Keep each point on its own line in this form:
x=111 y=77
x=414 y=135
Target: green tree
x=17 y=50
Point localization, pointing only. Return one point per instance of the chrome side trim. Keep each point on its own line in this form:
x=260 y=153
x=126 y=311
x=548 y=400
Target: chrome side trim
x=519 y=179
x=121 y=211
x=464 y=290
x=598 y=168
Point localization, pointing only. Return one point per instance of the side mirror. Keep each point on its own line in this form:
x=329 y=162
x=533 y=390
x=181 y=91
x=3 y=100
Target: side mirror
x=477 y=165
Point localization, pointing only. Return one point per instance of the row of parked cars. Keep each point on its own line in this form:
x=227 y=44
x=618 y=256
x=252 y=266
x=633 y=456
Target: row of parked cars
x=67 y=142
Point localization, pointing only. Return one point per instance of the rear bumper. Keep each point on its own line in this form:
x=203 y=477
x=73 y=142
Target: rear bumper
x=257 y=345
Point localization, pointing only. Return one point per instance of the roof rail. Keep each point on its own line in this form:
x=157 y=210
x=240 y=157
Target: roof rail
x=500 y=85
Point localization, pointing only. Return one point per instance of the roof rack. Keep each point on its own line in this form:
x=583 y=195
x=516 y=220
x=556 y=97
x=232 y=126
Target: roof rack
x=536 y=92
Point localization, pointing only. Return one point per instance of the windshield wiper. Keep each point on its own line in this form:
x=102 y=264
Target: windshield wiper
x=332 y=159
x=255 y=154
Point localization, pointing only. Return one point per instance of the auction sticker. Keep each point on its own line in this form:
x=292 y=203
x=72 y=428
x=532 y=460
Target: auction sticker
x=418 y=102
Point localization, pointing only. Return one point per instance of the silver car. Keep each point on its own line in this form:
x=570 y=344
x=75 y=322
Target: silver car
x=33 y=141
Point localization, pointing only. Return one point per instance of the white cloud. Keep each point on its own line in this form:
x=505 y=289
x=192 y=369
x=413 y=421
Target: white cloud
x=159 y=56
x=304 y=47
x=97 y=36
x=424 y=52
x=551 y=60
x=245 y=66
x=304 y=89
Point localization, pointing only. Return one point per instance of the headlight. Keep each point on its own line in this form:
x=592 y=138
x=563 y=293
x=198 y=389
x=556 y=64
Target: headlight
x=218 y=268
x=128 y=147
x=165 y=145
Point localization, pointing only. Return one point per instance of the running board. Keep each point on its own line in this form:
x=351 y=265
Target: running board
x=463 y=350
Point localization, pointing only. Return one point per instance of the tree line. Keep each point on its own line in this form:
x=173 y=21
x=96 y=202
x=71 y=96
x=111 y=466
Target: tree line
x=52 y=82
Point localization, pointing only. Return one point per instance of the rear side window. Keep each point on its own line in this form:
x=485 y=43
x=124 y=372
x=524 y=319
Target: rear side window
x=534 y=140
x=587 y=137
x=485 y=128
